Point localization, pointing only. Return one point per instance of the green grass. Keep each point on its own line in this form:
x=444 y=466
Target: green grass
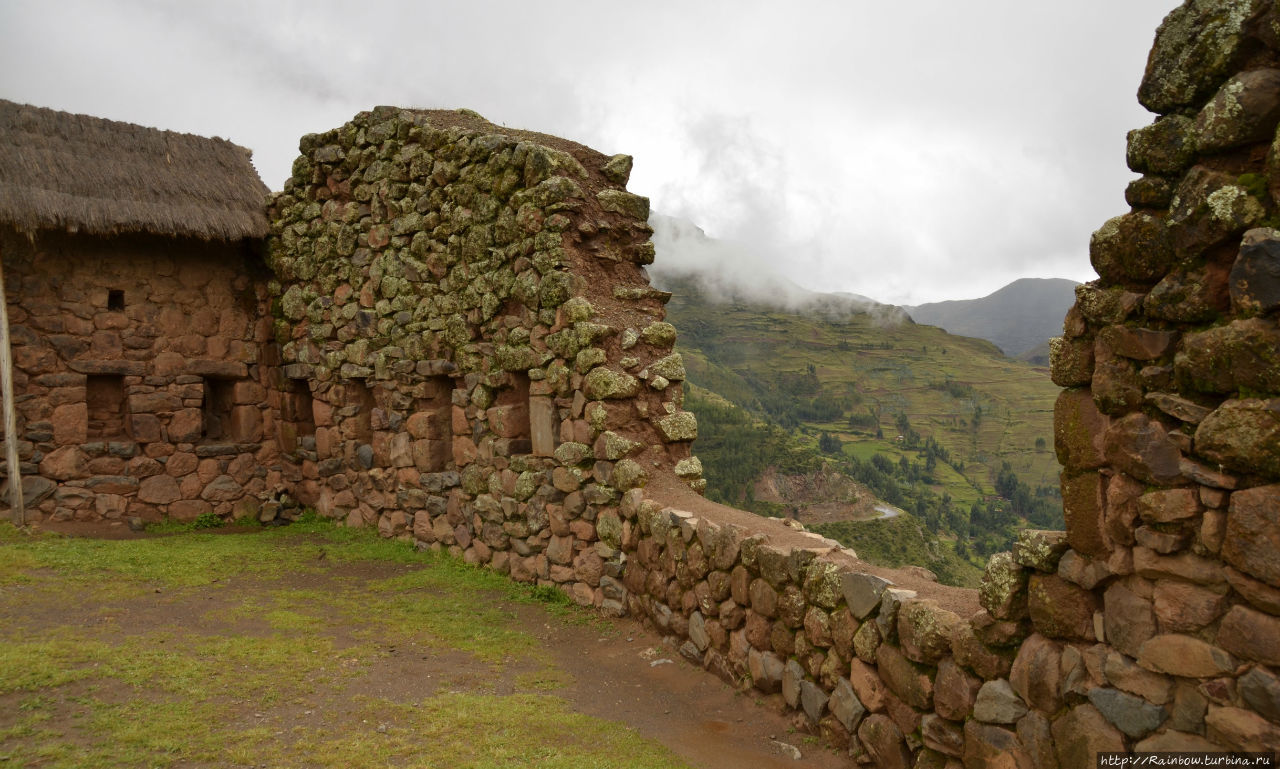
x=92 y=673
x=478 y=732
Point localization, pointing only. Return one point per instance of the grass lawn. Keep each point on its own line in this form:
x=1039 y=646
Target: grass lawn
x=305 y=646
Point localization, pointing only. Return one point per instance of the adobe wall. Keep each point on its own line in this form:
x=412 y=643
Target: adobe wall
x=117 y=346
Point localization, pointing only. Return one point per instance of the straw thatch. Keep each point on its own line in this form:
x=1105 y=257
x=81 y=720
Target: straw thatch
x=86 y=174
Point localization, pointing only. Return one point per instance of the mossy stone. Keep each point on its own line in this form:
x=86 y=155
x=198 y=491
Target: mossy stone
x=628 y=474
x=660 y=334
x=1132 y=247
x=1196 y=47
x=604 y=383
x=680 y=426
x=625 y=203
x=1167 y=146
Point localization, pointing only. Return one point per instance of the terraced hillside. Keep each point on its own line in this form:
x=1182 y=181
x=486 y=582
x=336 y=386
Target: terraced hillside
x=861 y=386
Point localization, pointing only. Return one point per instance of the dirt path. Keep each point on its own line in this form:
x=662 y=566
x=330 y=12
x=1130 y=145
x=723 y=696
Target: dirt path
x=632 y=677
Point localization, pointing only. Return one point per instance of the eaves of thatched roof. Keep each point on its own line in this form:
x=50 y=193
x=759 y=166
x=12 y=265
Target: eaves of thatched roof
x=76 y=173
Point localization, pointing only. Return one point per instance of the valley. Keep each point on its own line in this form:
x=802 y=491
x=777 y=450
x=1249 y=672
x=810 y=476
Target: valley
x=821 y=413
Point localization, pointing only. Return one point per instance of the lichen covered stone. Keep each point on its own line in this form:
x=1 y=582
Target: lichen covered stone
x=1196 y=47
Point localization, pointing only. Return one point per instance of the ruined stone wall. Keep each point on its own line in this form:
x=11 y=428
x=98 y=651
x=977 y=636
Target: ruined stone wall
x=473 y=360
x=472 y=354
x=139 y=377
x=1169 y=431
x=432 y=264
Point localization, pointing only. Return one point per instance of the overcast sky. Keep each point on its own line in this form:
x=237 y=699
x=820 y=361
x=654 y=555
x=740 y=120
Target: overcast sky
x=910 y=152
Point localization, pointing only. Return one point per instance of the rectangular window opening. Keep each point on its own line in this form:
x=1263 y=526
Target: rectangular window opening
x=436 y=423
x=298 y=408
x=216 y=408
x=360 y=424
x=511 y=417
x=106 y=406
x=115 y=300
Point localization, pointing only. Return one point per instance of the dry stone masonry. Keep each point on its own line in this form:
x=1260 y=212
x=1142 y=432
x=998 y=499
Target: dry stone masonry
x=1169 y=429
x=472 y=355
x=140 y=368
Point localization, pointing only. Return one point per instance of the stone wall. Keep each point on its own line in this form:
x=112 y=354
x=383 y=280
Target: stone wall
x=1153 y=622
x=469 y=336
x=474 y=361
x=139 y=377
x=1169 y=430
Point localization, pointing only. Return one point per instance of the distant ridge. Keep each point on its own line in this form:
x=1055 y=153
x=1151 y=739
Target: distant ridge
x=1017 y=318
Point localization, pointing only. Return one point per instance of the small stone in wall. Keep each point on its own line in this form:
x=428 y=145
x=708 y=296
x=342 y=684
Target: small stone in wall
x=862 y=592
x=1251 y=635
x=884 y=743
x=689 y=467
x=660 y=334
x=1071 y=361
x=1132 y=715
x=1003 y=588
x=997 y=703
x=603 y=383
x=628 y=474
x=1242 y=435
x=845 y=705
x=1184 y=656
x=1164 y=147
x=617 y=169
x=1132 y=247
x=625 y=203
x=1254 y=281
x=680 y=426
x=1245 y=109
x=1040 y=549
x=1196 y=46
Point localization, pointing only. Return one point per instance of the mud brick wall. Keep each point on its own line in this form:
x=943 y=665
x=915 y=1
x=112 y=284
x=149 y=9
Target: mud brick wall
x=472 y=354
x=138 y=363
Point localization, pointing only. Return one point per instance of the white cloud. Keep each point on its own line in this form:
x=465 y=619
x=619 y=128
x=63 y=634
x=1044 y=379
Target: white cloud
x=910 y=152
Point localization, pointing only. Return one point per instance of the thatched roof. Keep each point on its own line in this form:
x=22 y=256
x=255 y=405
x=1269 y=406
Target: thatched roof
x=86 y=174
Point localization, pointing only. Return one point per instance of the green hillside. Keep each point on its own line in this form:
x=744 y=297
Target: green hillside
x=942 y=426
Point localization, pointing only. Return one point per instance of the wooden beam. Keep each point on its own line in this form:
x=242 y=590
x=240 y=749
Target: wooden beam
x=16 y=503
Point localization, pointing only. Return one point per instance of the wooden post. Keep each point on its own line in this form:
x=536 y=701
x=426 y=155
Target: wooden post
x=17 y=511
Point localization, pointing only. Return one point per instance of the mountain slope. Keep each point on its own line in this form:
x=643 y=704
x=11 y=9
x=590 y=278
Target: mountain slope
x=1017 y=318
x=853 y=376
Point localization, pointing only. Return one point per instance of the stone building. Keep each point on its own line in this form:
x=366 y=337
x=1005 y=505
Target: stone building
x=136 y=294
